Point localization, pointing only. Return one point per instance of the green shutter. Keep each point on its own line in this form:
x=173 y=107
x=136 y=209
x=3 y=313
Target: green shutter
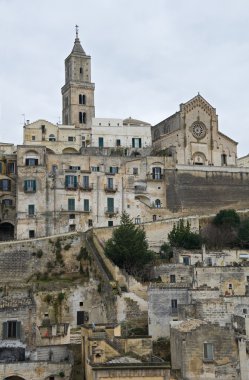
x=86 y=204
x=5 y=330
x=18 y=330
x=140 y=143
x=25 y=185
x=133 y=143
x=110 y=204
x=34 y=185
x=75 y=181
x=66 y=180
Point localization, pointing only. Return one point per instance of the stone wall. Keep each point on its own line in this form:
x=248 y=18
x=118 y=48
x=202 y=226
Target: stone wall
x=187 y=347
x=206 y=190
x=36 y=370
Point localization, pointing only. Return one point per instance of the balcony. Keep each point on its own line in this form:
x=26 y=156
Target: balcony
x=155 y=177
x=140 y=189
x=71 y=187
x=86 y=187
x=111 y=189
x=87 y=211
x=30 y=190
x=111 y=210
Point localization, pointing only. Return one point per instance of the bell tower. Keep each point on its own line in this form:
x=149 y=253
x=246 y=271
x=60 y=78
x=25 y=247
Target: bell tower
x=78 y=90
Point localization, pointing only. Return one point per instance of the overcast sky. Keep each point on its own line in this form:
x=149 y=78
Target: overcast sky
x=148 y=56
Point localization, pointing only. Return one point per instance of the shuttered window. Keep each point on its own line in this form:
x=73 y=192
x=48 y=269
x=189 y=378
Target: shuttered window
x=71 y=181
x=12 y=330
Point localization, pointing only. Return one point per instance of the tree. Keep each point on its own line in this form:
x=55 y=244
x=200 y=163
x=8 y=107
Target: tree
x=128 y=247
x=227 y=218
x=243 y=233
x=181 y=236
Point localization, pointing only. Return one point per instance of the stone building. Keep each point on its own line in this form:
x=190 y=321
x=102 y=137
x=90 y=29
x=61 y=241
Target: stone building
x=201 y=350
x=7 y=191
x=107 y=354
x=192 y=136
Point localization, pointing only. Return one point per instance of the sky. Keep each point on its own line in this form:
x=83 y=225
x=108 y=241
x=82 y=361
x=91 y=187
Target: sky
x=148 y=56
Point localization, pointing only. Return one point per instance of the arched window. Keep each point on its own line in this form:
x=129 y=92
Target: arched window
x=80 y=117
x=81 y=70
x=82 y=99
x=51 y=137
x=157 y=203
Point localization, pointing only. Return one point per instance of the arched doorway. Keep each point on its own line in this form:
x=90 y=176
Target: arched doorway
x=199 y=158
x=6 y=231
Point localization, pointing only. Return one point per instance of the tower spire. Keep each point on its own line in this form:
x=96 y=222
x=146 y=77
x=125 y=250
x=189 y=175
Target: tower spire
x=77 y=30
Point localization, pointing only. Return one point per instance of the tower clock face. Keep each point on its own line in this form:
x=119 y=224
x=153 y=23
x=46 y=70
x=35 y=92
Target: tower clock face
x=199 y=130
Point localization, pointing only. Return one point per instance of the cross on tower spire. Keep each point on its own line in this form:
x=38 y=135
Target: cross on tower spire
x=77 y=31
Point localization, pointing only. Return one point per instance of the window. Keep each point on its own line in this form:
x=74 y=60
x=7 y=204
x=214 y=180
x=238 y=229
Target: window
x=157 y=203
x=223 y=159
x=31 y=234
x=7 y=202
x=54 y=168
x=11 y=168
x=33 y=138
x=135 y=171
x=247 y=278
x=5 y=185
x=113 y=169
x=110 y=204
x=30 y=185
x=72 y=227
x=118 y=142
x=110 y=223
x=156 y=173
x=174 y=306
x=172 y=278
x=43 y=127
x=154 y=218
x=95 y=168
x=81 y=70
x=51 y=138
x=136 y=143
x=86 y=182
x=82 y=99
x=137 y=220
x=31 y=161
x=1 y=167
x=70 y=138
x=186 y=260
x=101 y=142
x=71 y=204
x=71 y=216
x=90 y=222
x=208 y=351
x=74 y=167
x=86 y=205
x=244 y=311
x=110 y=183
x=11 y=330
x=31 y=209
x=81 y=303
x=82 y=117
x=71 y=181
x=230 y=286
